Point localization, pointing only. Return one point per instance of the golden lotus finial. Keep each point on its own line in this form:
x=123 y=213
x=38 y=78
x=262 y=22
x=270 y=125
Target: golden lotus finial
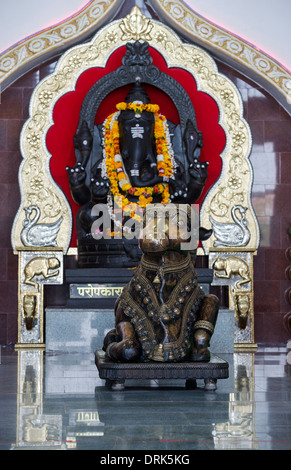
x=136 y=26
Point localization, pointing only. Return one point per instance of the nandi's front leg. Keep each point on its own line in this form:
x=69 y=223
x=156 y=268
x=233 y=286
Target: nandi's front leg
x=128 y=349
x=204 y=328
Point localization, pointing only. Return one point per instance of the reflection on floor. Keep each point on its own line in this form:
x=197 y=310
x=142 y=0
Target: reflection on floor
x=57 y=401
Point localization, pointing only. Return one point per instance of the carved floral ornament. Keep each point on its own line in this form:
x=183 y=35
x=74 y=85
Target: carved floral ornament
x=37 y=185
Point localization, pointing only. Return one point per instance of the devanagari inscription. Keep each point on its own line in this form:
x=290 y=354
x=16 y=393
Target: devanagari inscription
x=94 y=291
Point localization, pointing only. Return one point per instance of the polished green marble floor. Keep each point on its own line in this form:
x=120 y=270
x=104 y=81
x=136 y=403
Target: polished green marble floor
x=57 y=401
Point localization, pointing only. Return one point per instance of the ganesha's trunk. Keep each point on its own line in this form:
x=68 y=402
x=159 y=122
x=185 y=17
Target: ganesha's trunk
x=138 y=154
x=138 y=182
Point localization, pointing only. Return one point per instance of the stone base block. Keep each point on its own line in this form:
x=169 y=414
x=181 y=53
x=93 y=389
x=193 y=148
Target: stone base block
x=83 y=330
x=77 y=330
x=116 y=373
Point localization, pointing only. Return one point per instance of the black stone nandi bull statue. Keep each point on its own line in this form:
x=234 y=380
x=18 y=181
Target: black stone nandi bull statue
x=138 y=171
x=163 y=314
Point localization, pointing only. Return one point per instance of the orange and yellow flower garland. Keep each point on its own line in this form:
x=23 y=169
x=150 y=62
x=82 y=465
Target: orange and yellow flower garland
x=114 y=164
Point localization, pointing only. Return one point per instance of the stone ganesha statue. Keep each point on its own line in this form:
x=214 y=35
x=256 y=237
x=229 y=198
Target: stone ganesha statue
x=136 y=157
x=163 y=314
x=136 y=172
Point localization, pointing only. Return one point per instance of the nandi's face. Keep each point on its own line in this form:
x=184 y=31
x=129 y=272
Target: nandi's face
x=165 y=227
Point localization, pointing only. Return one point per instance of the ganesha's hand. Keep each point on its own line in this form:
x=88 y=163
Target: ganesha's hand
x=76 y=174
x=100 y=186
x=179 y=193
x=178 y=189
x=198 y=170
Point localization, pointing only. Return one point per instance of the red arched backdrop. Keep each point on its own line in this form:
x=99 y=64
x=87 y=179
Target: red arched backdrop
x=66 y=111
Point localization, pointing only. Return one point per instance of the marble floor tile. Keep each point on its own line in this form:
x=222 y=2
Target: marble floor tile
x=57 y=401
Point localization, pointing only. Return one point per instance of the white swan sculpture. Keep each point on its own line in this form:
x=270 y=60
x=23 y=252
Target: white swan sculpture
x=236 y=234
x=34 y=234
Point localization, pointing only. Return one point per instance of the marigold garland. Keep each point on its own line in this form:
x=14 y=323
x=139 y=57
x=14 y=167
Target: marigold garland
x=114 y=164
x=138 y=108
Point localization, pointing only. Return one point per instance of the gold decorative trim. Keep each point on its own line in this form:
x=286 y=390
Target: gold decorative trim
x=34 y=336
x=29 y=52
x=226 y=45
x=29 y=346
x=245 y=347
x=236 y=271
